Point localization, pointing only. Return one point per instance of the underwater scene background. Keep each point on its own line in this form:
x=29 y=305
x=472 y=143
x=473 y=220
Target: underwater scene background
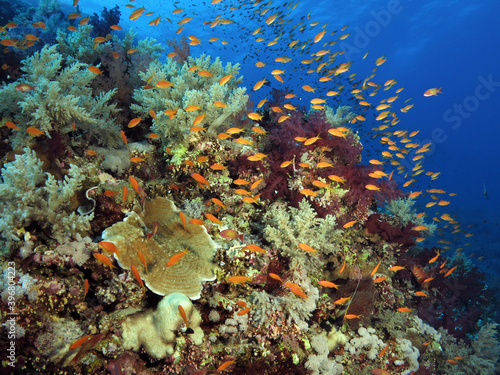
x=261 y=187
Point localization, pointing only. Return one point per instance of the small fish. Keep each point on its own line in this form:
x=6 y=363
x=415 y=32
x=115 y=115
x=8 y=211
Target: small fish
x=255 y=248
x=183 y=219
x=124 y=194
x=404 y=309
x=341 y=301
x=135 y=184
x=376 y=268
x=238 y=279
x=79 y=342
x=143 y=260
x=396 y=268
x=183 y=315
x=104 y=260
x=433 y=92
x=379 y=371
x=137 y=277
x=174 y=259
x=352 y=316
x=86 y=286
x=213 y=219
x=435 y=258
x=307 y=248
x=328 y=284
x=153 y=231
x=34 y=131
x=372 y=187
x=225 y=365
x=450 y=271
x=379 y=279
x=275 y=277
x=342 y=268
x=295 y=289
x=110 y=247
x=94 y=69
x=134 y=122
x=244 y=311
x=349 y=224
x=232 y=234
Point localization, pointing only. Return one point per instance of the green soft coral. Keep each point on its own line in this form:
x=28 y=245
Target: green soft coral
x=61 y=96
x=190 y=89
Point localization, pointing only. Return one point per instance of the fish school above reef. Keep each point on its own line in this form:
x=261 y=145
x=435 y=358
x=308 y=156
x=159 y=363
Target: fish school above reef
x=161 y=214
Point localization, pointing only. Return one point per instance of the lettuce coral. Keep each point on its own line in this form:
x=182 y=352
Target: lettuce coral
x=188 y=88
x=184 y=277
x=25 y=200
x=62 y=95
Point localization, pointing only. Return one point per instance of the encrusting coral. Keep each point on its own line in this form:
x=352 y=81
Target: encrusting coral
x=23 y=201
x=156 y=330
x=184 y=277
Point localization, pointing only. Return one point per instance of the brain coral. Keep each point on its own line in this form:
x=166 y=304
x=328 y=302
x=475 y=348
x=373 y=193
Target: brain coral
x=184 y=277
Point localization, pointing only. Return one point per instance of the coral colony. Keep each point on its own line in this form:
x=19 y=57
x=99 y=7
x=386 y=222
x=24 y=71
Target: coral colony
x=156 y=220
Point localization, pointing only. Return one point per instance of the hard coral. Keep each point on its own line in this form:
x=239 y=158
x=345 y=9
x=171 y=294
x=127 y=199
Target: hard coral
x=156 y=330
x=184 y=277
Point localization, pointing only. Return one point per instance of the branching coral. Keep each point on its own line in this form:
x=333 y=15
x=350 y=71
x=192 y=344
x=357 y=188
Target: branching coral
x=288 y=226
x=23 y=201
x=188 y=88
x=61 y=96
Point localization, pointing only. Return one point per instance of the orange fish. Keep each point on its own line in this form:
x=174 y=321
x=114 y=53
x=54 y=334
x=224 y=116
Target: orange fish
x=225 y=365
x=34 y=131
x=124 y=195
x=124 y=138
x=306 y=247
x=352 y=316
x=174 y=259
x=435 y=258
x=79 y=342
x=196 y=222
x=183 y=219
x=450 y=271
x=396 y=268
x=404 y=309
x=255 y=248
x=433 y=92
x=372 y=187
x=379 y=279
x=110 y=247
x=137 y=277
x=238 y=279
x=183 y=315
x=308 y=192
x=376 y=268
x=213 y=219
x=94 y=70
x=341 y=301
x=229 y=233
x=200 y=179
x=295 y=289
x=244 y=312
x=136 y=14
x=275 y=277
x=328 y=284
x=143 y=260
x=11 y=125
x=86 y=286
x=135 y=184
x=349 y=224
x=134 y=122
x=104 y=260
x=342 y=268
